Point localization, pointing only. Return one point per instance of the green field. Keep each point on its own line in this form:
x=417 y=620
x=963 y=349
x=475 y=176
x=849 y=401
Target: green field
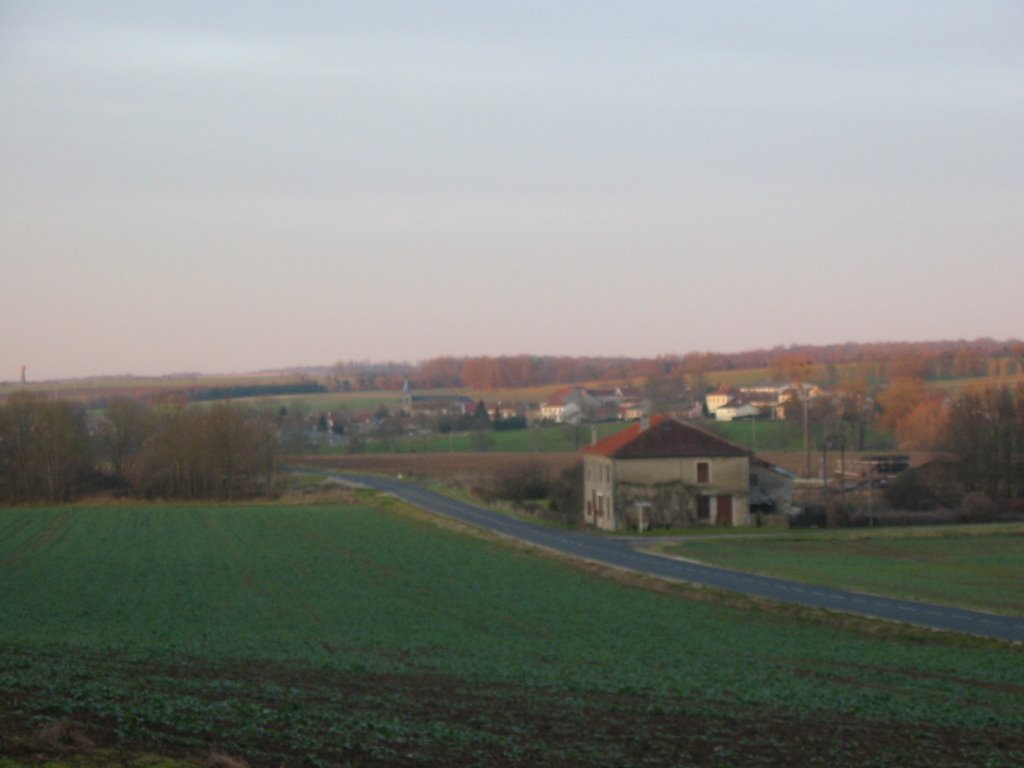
x=364 y=633
x=978 y=567
x=957 y=385
x=786 y=436
x=152 y=383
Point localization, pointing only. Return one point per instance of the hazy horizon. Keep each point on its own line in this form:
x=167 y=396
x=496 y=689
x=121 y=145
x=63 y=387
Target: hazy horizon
x=314 y=365
x=224 y=190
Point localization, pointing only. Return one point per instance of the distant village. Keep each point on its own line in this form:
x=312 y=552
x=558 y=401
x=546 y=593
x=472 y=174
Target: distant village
x=661 y=472
x=572 y=405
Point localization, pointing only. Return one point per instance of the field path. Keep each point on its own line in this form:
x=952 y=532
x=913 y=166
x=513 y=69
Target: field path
x=620 y=553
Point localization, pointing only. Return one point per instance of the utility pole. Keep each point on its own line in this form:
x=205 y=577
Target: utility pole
x=807 y=445
x=842 y=467
x=871 y=494
x=824 y=464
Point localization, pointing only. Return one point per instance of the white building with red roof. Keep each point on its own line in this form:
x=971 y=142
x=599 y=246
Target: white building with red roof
x=569 y=405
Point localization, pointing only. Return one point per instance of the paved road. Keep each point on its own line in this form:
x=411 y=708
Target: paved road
x=621 y=554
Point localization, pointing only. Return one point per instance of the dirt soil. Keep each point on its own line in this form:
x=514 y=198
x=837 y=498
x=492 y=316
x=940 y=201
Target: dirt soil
x=423 y=719
x=466 y=469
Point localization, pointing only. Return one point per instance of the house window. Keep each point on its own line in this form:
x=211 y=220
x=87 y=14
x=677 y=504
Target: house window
x=703 y=472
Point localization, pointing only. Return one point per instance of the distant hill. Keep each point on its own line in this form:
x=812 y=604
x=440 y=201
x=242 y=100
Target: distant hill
x=874 y=361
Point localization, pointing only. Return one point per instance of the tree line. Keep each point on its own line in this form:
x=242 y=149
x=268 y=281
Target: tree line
x=883 y=361
x=985 y=431
x=51 y=450
x=306 y=387
x=981 y=467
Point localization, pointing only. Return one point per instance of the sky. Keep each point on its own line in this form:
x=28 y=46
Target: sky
x=230 y=187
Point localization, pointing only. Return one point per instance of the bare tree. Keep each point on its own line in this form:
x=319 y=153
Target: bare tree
x=44 y=448
x=126 y=425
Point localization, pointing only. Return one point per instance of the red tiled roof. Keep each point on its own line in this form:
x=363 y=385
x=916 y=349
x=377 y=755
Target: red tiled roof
x=559 y=396
x=611 y=444
x=664 y=438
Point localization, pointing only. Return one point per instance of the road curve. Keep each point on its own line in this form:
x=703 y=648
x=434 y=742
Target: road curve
x=621 y=554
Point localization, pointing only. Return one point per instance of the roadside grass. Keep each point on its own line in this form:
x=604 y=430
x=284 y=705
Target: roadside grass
x=366 y=632
x=500 y=506
x=978 y=566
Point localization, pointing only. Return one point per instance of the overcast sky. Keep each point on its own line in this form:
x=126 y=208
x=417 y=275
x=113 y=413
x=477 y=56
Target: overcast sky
x=225 y=187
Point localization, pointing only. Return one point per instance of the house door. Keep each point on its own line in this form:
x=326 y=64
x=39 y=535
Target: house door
x=723 y=510
x=704 y=508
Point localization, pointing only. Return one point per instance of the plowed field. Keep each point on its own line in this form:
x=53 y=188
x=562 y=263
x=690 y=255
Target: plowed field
x=467 y=469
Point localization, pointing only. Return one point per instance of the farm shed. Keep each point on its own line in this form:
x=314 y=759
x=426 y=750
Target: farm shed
x=771 y=488
x=666 y=473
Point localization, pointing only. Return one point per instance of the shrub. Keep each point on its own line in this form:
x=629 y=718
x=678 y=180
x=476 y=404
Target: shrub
x=978 y=508
x=838 y=515
x=928 y=487
x=566 y=494
x=811 y=516
x=523 y=482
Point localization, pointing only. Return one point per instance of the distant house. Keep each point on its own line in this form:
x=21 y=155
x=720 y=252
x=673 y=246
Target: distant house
x=736 y=409
x=730 y=403
x=720 y=397
x=360 y=422
x=667 y=473
x=629 y=404
x=501 y=411
x=436 y=404
x=569 y=405
x=632 y=411
x=616 y=396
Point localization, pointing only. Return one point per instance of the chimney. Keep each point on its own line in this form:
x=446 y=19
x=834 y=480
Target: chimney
x=23 y=378
x=645 y=421
x=593 y=434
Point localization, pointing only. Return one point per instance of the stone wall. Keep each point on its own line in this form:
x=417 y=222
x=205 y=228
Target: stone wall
x=673 y=504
